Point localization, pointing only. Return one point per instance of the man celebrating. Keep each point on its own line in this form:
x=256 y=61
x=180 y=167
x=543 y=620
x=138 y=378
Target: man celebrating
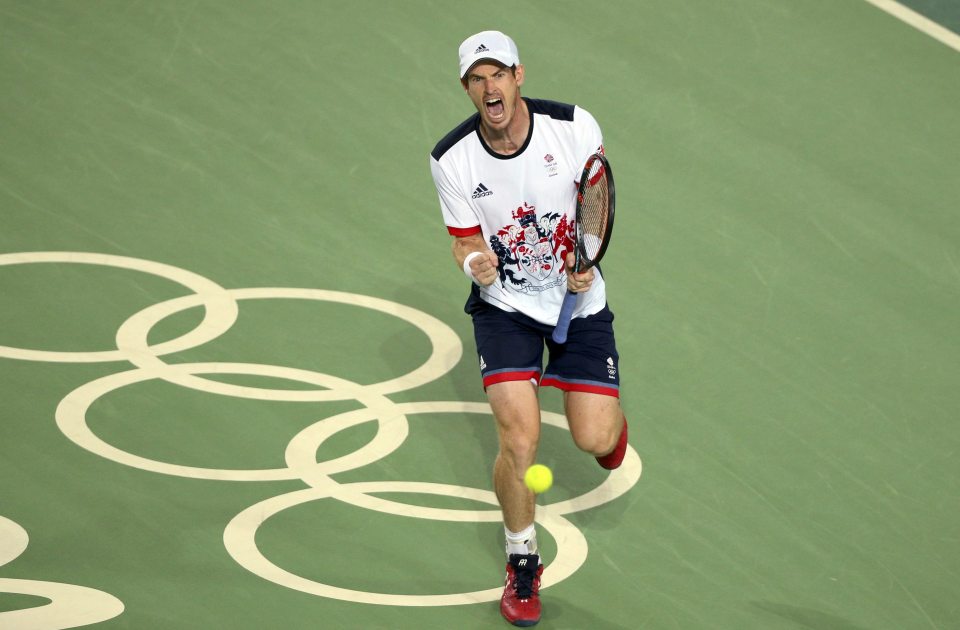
x=506 y=178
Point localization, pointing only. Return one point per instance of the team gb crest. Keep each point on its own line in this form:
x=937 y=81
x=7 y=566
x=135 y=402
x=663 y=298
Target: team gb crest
x=532 y=249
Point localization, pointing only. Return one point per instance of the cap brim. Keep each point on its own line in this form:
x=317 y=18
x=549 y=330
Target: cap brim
x=506 y=63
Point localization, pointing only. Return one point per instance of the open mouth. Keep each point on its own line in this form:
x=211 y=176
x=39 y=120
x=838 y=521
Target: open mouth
x=494 y=107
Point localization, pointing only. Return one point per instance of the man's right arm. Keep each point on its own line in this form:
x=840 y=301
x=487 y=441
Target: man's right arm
x=470 y=251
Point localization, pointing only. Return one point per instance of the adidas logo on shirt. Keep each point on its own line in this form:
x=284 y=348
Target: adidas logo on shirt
x=481 y=49
x=481 y=191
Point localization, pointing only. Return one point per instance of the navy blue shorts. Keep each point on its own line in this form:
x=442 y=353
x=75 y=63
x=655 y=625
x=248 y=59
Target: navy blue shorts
x=510 y=348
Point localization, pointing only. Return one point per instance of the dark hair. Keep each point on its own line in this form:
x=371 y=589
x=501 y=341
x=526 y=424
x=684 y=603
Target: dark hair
x=513 y=71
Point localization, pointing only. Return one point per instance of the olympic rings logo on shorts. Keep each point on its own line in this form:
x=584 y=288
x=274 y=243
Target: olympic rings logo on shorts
x=221 y=308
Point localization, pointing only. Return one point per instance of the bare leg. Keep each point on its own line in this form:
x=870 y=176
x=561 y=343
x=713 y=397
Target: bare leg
x=517 y=413
x=595 y=421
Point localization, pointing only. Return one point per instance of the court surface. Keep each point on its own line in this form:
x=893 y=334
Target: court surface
x=239 y=391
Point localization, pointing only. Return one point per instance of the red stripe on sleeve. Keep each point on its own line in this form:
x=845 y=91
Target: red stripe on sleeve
x=470 y=231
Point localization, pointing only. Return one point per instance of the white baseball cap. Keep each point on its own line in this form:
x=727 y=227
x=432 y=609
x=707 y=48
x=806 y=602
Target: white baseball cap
x=487 y=45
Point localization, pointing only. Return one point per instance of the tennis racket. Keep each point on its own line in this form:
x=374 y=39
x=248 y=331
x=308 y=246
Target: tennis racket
x=594 y=217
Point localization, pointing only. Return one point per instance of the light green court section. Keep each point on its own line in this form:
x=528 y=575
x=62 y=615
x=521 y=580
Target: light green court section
x=785 y=274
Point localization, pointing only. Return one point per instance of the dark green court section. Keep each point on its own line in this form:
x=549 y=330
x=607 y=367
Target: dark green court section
x=946 y=13
x=785 y=275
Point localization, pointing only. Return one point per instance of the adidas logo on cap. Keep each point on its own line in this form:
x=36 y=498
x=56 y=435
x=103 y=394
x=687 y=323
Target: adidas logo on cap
x=492 y=45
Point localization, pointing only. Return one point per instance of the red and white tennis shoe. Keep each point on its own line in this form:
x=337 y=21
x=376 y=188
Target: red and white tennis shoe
x=520 y=604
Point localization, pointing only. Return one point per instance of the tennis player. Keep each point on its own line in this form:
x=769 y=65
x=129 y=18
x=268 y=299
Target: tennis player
x=506 y=178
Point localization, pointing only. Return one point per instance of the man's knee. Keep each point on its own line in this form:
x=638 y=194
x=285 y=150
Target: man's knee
x=595 y=422
x=596 y=438
x=519 y=445
x=517 y=412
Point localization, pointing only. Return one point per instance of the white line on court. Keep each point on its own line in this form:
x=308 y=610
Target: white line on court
x=919 y=22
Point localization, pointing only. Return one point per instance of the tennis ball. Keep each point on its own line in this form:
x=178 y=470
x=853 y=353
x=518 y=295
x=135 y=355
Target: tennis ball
x=538 y=478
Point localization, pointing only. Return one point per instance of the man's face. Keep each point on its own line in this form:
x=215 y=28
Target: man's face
x=495 y=92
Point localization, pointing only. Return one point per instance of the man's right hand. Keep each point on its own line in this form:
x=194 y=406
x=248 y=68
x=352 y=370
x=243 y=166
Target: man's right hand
x=484 y=268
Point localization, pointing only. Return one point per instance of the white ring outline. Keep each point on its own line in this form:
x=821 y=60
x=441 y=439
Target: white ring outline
x=446 y=346
x=71 y=606
x=240 y=533
x=220 y=312
x=71 y=417
x=300 y=450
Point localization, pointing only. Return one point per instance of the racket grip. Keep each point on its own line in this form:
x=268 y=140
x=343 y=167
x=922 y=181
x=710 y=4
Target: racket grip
x=566 y=314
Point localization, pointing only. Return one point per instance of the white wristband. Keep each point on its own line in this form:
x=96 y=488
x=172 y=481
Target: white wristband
x=466 y=265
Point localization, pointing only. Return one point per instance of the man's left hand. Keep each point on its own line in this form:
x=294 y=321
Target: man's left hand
x=578 y=282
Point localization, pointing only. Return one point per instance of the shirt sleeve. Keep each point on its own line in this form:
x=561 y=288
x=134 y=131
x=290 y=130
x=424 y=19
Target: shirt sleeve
x=588 y=134
x=459 y=217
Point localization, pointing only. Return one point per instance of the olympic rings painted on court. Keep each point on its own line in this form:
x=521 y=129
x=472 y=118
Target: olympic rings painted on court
x=221 y=310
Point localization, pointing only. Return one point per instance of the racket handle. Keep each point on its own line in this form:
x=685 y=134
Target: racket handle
x=566 y=314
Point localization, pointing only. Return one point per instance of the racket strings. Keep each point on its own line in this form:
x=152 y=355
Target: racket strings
x=593 y=213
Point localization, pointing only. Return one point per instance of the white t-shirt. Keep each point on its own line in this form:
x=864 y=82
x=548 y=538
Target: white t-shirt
x=523 y=204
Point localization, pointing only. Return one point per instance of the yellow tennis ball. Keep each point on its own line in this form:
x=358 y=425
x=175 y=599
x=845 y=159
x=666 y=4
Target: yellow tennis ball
x=538 y=478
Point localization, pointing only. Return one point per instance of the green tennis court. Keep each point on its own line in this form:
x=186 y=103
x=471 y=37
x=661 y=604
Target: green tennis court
x=239 y=391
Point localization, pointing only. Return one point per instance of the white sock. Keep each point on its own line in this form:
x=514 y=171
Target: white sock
x=523 y=542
